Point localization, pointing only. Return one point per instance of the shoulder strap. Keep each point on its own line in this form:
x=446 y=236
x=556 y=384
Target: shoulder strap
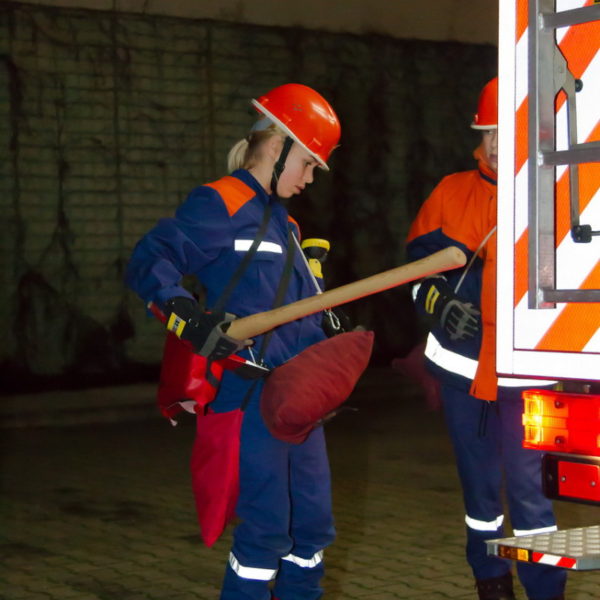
x=279 y=296
x=281 y=288
x=235 y=278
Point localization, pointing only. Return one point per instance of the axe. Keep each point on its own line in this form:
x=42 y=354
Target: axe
x=180 y=363
x=253 y=325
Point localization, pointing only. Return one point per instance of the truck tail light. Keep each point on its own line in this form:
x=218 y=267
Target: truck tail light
x=562 y=422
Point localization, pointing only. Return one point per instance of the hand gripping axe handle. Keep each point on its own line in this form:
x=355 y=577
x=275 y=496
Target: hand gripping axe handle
x=253 y=325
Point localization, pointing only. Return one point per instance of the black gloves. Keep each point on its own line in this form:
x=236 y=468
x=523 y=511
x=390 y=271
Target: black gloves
x=204 y=331
x=460 y=319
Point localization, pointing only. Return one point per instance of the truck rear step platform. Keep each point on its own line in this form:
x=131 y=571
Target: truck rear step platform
x=576 y=549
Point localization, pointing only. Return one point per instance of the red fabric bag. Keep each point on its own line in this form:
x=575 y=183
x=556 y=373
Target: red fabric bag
x=299 y=394
x=215 y=471
x=183 y=383
x=186 y=383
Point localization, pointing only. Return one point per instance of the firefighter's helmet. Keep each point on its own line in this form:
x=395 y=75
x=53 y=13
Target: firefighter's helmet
x=305 y=116
x=486 y=116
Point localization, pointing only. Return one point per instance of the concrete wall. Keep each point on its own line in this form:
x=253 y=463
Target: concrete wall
x=108 y=119
x=473 y=21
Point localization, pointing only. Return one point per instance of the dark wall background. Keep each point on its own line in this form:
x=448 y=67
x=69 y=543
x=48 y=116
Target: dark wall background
x=109 y=119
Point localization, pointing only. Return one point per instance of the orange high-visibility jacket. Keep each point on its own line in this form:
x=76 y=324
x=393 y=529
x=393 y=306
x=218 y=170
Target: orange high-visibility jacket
x=461 y=211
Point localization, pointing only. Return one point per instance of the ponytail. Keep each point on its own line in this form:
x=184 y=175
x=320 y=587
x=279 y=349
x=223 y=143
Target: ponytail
x=236 y=159
x=247 y=151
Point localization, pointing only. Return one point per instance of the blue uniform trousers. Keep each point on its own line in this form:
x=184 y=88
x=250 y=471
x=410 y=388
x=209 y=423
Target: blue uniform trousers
x=286 y=516
x=487 y=439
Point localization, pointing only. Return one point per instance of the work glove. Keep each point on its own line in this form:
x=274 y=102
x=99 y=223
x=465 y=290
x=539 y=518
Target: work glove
x=206 y=332
x=461 y=320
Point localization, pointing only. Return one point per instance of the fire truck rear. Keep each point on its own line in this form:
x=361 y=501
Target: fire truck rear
x=549 y=253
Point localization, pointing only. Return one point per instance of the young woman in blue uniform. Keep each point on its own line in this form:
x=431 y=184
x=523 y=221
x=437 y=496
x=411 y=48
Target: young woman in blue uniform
x=284 y=502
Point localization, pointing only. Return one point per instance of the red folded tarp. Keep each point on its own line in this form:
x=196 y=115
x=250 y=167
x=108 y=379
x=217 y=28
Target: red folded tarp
x=299 y=394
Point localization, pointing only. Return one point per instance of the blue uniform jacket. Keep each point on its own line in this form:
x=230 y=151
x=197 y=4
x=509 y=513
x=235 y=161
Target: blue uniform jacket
x=208 y=237
x=460 y=212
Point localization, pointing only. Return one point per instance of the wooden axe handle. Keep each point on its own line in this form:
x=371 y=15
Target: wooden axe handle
x=253 y=325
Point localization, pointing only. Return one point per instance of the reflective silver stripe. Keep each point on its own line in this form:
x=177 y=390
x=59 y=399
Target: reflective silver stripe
x=244 y=246
x=514 y=382
x=448 y=360
x=307 y=563
x=549 y=529
x=484 y=525
x=467 y=367
x=251 y=572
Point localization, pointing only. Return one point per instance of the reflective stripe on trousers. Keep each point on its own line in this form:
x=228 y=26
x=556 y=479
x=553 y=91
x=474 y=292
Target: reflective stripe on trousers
x=270 y=574
x=497 y=523
x=520 y=532
x=305 y=563
x=250 y=572
x=484 y=525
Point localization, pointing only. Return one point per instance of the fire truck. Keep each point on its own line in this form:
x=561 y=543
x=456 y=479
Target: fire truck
x=549 y=253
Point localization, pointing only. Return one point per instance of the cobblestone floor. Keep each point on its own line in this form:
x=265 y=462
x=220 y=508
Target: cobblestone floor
x=103 y=511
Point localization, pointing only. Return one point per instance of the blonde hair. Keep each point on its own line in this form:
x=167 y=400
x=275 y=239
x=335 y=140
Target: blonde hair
x=245 y=153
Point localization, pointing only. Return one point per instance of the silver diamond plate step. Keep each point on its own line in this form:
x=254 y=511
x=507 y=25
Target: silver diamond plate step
x=577 y=549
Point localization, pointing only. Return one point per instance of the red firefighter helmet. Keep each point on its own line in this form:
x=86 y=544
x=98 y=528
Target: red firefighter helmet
x=305 y=116
x=486 y=116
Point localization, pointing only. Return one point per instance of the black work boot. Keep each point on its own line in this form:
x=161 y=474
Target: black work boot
x=496 y=588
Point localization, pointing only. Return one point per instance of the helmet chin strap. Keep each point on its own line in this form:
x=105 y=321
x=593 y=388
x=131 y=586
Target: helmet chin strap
x=280 y=164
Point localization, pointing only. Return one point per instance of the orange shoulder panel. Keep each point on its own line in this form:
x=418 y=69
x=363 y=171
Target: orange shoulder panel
x=460 y=206
x=235 y=193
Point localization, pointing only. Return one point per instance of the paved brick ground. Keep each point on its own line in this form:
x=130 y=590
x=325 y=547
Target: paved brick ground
x=98 y=506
